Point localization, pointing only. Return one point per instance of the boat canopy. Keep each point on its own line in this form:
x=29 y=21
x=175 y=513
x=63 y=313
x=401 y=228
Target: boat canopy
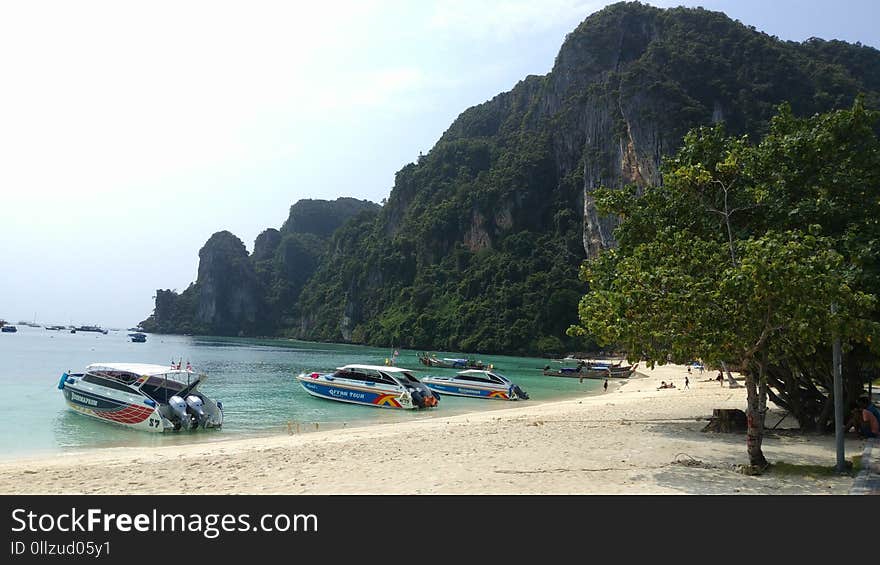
x=141 y=369
x=381 y=368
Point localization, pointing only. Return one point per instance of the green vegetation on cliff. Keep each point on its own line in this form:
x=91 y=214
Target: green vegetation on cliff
x=256 y=294
x=478 y=245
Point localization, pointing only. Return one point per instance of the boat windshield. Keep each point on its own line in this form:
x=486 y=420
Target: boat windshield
x=124 y=377
x=406 y=378
x=162 y=389
x=498 y=378
x=109 y=383
x=372 y=377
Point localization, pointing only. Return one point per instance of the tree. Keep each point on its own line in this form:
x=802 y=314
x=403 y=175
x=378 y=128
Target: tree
x=708 y=267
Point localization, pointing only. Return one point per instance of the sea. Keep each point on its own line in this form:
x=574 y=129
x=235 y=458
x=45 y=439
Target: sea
x=254 y=379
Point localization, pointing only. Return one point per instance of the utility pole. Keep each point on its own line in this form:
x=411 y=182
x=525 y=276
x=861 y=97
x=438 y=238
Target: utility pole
x=838 y=399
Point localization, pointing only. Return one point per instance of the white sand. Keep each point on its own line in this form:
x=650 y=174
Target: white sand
x=628 y=441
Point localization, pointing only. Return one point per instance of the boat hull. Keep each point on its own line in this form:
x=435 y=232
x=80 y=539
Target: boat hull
x=118 y=411
x=364 y=395
x=455 y=389
x=599 y=374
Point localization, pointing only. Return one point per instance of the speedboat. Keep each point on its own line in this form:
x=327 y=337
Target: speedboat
x=138 y=337
x=476 y=384
x=154 y=398
x=370 y=385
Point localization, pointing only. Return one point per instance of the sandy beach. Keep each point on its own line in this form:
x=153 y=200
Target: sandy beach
x=633 y=439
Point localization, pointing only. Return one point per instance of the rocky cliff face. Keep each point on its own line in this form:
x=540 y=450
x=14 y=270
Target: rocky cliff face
x=479 y=243
x=510 y=183
x=241 y=294
x=228 y=299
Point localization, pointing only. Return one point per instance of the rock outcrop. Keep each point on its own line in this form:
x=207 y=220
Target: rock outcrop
x=241 y=294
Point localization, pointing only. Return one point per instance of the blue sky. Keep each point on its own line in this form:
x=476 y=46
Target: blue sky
x=131 y=132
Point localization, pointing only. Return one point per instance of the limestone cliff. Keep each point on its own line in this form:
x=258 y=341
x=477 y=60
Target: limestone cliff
x=478 y=245
x=241 y=294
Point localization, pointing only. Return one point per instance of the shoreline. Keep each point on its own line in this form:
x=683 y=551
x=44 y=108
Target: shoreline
x=365 y=417
x=633 y=439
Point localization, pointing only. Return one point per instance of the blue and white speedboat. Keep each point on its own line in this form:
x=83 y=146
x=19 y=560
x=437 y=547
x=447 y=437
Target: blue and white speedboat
x=370 y=385
x=152 y=398
x=476 y=384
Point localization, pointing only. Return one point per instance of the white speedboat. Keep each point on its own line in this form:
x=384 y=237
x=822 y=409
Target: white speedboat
x=370 y=385
x=476 y=384
x=153 y=398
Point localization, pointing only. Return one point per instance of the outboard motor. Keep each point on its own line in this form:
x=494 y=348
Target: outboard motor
x=520 y=393
x=424 y=397
x=197 y=409
x=418 y=399
x=178 y=408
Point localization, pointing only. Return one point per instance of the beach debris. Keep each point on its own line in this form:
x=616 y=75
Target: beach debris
x=686 y=460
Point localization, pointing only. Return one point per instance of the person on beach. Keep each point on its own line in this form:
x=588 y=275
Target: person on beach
x=687 y=382
x=606 y=385
x=870 y=424
x=689 y=369
x=720 y=379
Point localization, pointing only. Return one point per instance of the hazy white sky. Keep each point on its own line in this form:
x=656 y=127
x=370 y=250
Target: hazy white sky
x=130 y=132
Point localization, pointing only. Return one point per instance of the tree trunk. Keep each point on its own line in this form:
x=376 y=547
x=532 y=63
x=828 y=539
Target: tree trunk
x=755 y=421
x=822 y=420
x=731 y=382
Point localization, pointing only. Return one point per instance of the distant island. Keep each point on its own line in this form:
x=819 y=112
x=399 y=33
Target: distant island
x=479 y=243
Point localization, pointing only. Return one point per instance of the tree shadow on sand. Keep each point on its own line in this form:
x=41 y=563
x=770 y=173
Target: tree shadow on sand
x=715 y=461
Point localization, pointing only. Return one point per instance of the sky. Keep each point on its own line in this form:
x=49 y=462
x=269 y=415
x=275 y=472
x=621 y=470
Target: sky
x=130 y=132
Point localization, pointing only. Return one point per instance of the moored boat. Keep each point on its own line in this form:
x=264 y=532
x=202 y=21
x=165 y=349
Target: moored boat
x=90 y=329
x=476 y=384
x=152 y=398
x=370 y=385
x=452 y=363
x=138 y=337
x=592 y=371
x=8 y=329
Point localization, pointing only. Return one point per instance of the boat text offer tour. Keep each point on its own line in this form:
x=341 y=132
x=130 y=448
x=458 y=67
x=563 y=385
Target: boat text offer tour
x=371 y=385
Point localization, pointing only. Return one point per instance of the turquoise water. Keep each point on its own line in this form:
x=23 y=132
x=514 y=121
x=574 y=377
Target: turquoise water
x=254 y=378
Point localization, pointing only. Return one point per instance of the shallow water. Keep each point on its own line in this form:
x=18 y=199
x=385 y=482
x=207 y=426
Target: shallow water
x=254 y=378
